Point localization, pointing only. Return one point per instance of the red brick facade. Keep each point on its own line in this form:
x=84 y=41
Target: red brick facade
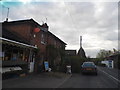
x=25 y=28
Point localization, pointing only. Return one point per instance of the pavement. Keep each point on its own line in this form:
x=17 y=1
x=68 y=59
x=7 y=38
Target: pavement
x=42 y=80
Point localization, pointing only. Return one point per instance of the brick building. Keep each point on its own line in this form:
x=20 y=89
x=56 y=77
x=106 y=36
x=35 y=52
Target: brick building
x=37 y=35
x=70 y=52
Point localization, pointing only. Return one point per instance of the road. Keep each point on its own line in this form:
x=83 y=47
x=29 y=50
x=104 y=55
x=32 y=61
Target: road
x=106 y=78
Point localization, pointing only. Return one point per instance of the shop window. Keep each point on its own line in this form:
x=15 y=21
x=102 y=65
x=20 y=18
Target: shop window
x=7 y=56
x=14 y=57
x=2 y=54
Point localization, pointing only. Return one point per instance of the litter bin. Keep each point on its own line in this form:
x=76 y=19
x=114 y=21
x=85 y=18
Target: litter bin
x=68 y=69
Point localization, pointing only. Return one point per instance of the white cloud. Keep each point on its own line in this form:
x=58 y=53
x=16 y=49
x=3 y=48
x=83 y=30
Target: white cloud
x=97 y=22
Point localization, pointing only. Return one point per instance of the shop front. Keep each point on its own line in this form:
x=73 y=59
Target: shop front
x=16 y=57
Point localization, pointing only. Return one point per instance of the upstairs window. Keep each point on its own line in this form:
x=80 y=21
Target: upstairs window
x=43 y=38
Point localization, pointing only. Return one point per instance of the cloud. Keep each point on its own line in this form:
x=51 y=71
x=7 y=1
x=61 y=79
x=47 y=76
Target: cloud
x=97 y=22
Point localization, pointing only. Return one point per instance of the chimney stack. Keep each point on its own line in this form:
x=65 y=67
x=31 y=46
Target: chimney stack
x=6 y=19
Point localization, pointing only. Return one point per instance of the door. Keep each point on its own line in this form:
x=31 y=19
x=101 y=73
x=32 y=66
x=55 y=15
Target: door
x=32 y=62
x=31 y=66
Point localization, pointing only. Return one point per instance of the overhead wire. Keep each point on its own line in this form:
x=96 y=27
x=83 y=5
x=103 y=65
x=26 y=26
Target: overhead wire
x=73 y=23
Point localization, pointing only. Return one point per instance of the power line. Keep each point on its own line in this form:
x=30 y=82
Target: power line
x=70 y=16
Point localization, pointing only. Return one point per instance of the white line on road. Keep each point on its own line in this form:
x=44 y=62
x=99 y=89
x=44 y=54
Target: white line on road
x=63 y=81
x=110 y=76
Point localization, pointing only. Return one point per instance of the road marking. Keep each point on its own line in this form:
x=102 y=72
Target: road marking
x=110 y=76
x=63 y=81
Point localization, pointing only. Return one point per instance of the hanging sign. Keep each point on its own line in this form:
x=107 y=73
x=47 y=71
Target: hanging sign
x=37 y=30
x=44 y=29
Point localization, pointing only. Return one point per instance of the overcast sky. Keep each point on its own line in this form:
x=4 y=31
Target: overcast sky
x=96 y=22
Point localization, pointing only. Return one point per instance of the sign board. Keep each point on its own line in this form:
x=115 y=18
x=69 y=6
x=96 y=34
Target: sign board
x=46 y=65
x=109 y=63
x=44 y=29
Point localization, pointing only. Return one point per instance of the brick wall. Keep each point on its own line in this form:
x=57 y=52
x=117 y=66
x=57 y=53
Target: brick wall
x=26 y=30
x=53 y=41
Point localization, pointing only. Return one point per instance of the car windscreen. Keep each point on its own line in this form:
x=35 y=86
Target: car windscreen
x=88 y=65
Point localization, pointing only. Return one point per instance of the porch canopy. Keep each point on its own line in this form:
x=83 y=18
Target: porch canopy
x=8 y=41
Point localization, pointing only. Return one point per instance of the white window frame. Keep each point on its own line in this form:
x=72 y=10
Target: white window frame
x=43 y=39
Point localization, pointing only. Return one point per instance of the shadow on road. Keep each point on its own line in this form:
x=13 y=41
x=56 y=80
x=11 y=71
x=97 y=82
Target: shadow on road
x=89 y=74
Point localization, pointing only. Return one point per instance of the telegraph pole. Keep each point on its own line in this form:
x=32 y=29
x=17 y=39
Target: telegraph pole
x=80 y=41
x=7 y=12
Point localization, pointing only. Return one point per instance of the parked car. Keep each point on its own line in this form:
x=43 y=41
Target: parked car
x=89 y=67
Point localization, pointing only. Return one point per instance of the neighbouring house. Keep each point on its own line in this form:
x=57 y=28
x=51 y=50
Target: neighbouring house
x=81 y=51
x=38 y=36
x=70 y=52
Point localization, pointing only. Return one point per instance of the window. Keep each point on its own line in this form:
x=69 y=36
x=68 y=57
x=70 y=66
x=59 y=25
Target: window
x=2 y=54
x=43 y=38
x=34 y=35
x=35 y=45
x=88 y=64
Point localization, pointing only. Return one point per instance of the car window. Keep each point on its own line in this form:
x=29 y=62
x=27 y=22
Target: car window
x=88 y=64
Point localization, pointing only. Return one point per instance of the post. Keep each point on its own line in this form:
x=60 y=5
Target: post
x=80 y=41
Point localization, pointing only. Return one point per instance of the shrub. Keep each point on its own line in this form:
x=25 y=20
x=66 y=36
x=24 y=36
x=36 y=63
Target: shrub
x=101 y=64
x=74 y=61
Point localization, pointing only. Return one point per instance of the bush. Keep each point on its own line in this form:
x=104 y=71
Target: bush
x=75 y=66
x=101 y=64
x=74 y=61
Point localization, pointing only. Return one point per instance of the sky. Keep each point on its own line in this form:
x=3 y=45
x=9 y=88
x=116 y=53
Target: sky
x=96 y=22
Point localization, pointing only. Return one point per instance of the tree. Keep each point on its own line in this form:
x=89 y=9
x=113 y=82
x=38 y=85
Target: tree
x=88 y=58
x=52 y=54
x=104 y=53
x=55 y=56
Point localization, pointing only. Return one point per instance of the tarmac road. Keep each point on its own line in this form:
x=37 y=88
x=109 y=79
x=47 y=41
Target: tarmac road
x=106 y=78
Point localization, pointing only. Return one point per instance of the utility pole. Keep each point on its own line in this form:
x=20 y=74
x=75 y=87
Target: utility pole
x=80 y=41
x=7 y=15
x=7 y=12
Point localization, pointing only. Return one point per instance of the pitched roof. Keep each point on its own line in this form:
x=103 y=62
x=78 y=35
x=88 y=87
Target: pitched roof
x=56 y=37
x=70 y=52
x=81 y=53
x=13 y=36
x=19 y=21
